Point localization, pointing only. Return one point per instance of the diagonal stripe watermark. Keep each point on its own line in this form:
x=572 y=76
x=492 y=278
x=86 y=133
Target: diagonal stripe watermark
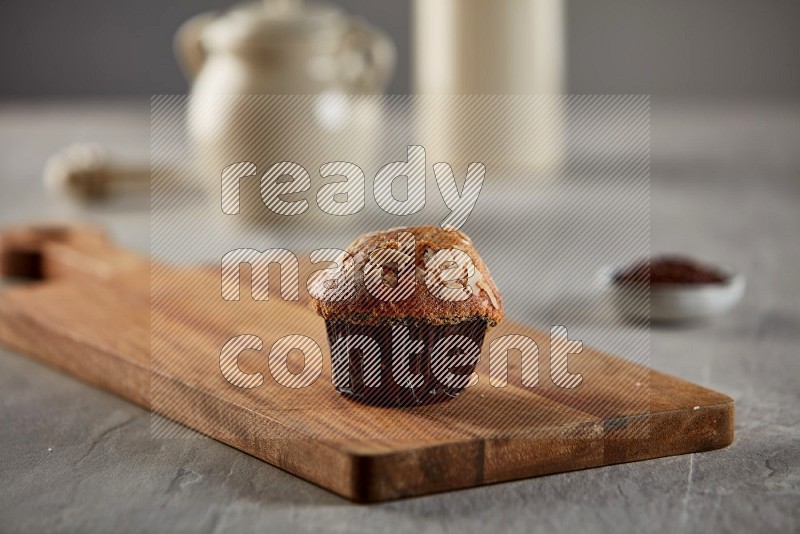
x=252 y=216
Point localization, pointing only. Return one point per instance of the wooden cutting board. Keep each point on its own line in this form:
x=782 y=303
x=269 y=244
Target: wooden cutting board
x=88 y=312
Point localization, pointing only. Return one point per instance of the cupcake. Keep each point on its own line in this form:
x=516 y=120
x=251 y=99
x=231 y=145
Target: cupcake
x=406 y=312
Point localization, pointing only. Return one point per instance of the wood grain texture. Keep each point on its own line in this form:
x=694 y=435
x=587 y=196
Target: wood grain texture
x=92 y=314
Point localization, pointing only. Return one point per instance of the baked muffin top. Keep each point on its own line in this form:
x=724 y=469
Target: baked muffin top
x=410 y=273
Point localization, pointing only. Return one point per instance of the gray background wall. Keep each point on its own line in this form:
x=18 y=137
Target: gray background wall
x=679 y=47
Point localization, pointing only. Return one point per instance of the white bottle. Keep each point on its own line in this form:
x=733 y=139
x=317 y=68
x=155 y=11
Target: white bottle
x=493 y=47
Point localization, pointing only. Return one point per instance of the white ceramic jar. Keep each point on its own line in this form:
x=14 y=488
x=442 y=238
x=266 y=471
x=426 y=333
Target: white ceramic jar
x=244 y=63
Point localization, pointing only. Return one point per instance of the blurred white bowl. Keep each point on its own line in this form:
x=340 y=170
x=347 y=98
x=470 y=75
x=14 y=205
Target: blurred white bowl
x=674 y=302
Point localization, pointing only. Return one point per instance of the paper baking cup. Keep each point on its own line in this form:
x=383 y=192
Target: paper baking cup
x=350 y=373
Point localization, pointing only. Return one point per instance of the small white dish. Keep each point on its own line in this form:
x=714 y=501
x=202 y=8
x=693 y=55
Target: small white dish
x=674 y=302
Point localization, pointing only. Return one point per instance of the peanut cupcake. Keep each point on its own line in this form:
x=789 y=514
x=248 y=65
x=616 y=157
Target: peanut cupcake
x=406 y=313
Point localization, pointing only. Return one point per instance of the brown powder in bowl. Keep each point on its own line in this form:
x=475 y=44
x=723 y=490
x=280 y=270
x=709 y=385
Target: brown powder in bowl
x=667 y=270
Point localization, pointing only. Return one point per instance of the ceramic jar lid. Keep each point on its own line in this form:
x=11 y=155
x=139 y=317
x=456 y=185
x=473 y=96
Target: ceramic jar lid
x=271 y=23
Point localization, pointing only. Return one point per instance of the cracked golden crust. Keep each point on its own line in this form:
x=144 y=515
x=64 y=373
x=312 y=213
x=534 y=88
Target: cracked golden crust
x=364 y=308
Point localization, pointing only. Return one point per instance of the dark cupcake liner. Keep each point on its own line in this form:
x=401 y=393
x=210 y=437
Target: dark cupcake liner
x=350 y=366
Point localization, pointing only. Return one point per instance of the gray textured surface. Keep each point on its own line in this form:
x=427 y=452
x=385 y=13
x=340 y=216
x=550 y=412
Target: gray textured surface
x=725 y=186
